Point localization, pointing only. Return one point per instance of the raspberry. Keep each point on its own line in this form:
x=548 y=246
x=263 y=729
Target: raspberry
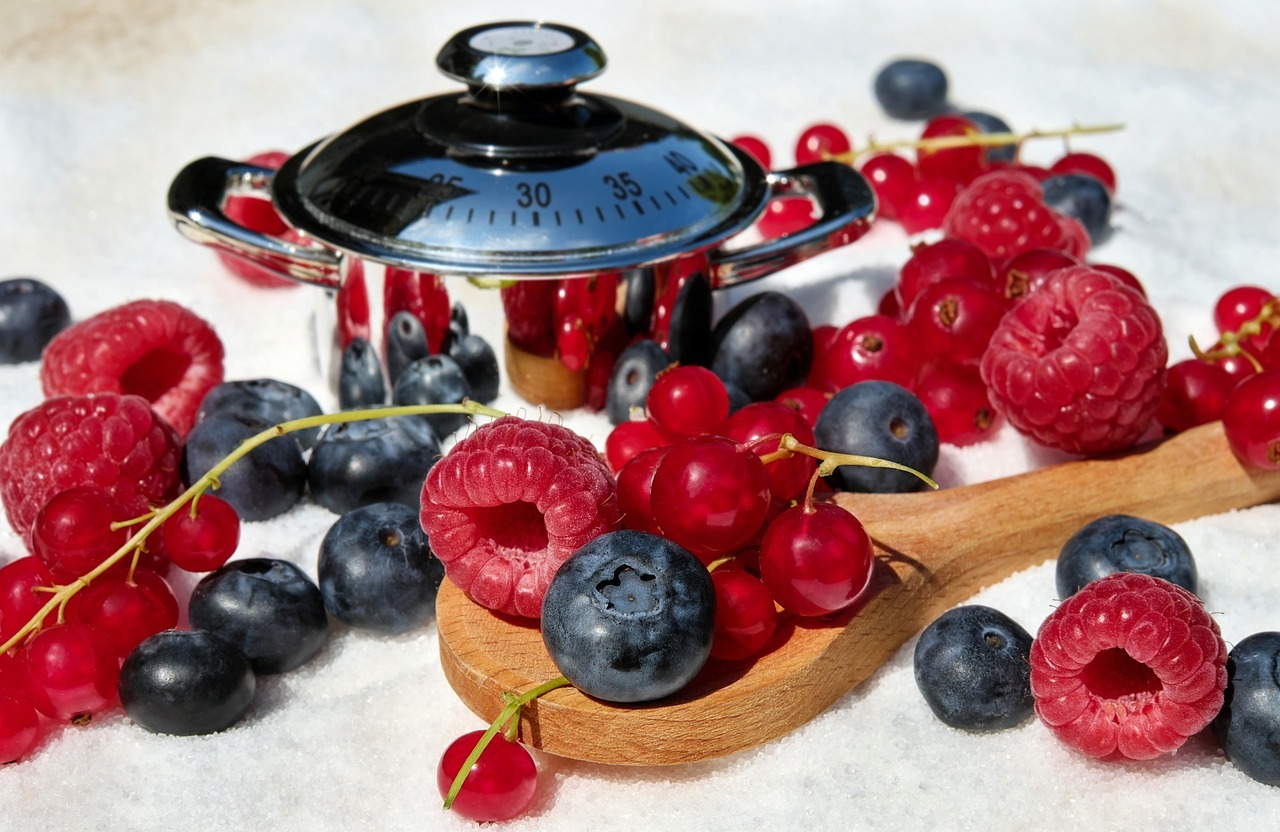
x=1131 y=663
x=1003 y=213
x=1079 y=364
x=151 y=348
x=116 y=443
x=509 y=504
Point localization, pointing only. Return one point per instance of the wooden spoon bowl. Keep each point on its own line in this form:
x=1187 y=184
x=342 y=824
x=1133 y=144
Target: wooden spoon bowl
x=933 y=550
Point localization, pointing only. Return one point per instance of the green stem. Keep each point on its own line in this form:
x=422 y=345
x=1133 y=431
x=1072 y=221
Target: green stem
x=63 y=592
x=829 y=461
x=973 y=140
x=511 y=713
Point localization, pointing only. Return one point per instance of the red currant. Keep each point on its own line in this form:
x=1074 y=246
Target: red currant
x=1195 y=393
x=19 y=727
x=928 y=205
x=815 y=559
x=573 y=343
x=687 y=401
x=807 y=401
x=756 y=148
x=424 y=296
x=203 y=542
x=630 y=438
x=635 y=490
x=710 y=495
x=745 y=615
x=957 y=402
x=500 y=785
x=1125 y=276
x=20 y=598
x=821 y=142
x=1251 y=420
x=261 y=216
x=760 y=426
x=872 y=348
x=71 y=672
x=1240 y=305
x=1025 y=271
x=72 y=533
x=955 y=318
x=1087 y=163
x=894 y=180
x=127 y=611
x=353 y=307
x=948 y=259
x=784 y=216
x=958 y=164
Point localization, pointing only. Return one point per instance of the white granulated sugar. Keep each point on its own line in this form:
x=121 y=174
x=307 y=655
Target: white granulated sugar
x=101 y=105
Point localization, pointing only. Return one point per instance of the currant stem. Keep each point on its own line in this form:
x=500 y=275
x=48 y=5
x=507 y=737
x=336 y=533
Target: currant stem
x=1231 y=340
x=509 y=714
x=829 y=461
x=974 y=140
x=154 y=519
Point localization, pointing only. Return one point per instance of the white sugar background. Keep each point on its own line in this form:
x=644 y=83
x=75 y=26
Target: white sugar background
x=101 y=104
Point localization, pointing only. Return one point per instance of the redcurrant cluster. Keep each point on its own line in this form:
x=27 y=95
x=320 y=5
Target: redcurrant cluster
x=1236 y=380
x=62 y=647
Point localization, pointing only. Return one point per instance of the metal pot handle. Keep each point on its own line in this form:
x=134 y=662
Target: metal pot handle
x=195 y=206
x=847 y=205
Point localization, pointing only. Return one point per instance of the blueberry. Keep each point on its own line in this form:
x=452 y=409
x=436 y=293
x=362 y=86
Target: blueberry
x=883 y=420
x=639 y=291
x=912 y=90
x=1081 y=196
x=265 y=484
x=973 y=666
x=377 y=571
x=989 y=123
x=186 y=683
x=1120 y=543
x=459 y=324
x=373 y=461
x=629 y=617
x=1248 y=726
x=764 y=345
x=689 y=332
x=360 y=381
x=479 y=365
x=633 y=375
x=436 y=379
x=263 y=400
x=406 y=343
x=31 y=313
x=267 y=608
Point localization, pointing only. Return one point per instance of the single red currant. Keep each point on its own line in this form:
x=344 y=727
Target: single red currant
x=630 y=438
x=1239 y=305
x=807 y=401
x=1195 y=393
x=635 y=490
x=872 y=348
x=949 y=259
x=957 y=164
x=784 y=216
x=500 y=785
x=125 y=612
x=928 y=205
x=955 y=318
x=756 y=147
x=71 y=672
x=1025 y=271
x=20 y=596
x=204 y=539
x=894 y=180
x=957 y=402
x=820 y=142
x=1086 y=163
x=687 y=401
x=1251 y=420
x=19 y=727
x=72 y=534
x=745 y=615
x=760 y=426
x=710 y=495
x=815 y=559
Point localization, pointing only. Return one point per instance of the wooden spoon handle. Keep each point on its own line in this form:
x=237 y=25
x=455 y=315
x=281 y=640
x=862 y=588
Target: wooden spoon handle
x=934 y=549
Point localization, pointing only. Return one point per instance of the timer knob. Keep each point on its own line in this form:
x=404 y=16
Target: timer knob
x=531 y=57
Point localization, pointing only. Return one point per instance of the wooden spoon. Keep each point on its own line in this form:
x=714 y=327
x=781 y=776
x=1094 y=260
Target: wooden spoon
x=934 y=550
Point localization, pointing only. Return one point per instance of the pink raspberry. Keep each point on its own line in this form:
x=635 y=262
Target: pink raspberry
x=1003 y=213
x=1078 y=364
x=509 y=504
x=117 y=443
x=151 y=348
x=1130 y=664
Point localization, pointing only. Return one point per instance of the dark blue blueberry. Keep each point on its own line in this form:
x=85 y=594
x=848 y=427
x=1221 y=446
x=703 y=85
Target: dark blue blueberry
x=459 y=324
x=377 y=571
x=629 y=617
x=883 y=420
x=633 y=375
x=360 y=381
x=640 y=288
x=406 y=343
x=973 y=666
x=269 y=609
x=373 y=461
x=1081 y=196
x=1248 y=726
x=266 y=483
x=912 y=90
x=689 y=333
x=263 y=400
x=1120 y=543
x=764 y=345
x=479 y=364
x=31 y=313
x=186 y=683
x=989 y=123
x=436 y=379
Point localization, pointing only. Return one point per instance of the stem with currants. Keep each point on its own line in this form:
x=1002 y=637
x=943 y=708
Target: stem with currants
x=62 y=593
